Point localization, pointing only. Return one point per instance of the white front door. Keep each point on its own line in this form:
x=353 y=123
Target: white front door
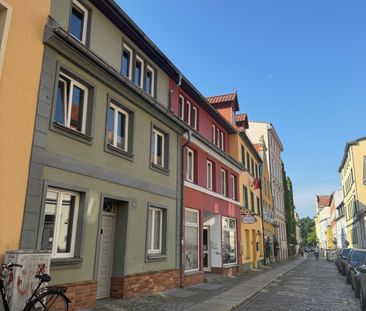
x=106 y=255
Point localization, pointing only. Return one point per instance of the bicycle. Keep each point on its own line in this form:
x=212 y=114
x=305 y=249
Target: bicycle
x=43 y=299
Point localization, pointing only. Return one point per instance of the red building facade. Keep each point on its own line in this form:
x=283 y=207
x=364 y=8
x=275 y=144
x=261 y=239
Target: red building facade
x=211 y=196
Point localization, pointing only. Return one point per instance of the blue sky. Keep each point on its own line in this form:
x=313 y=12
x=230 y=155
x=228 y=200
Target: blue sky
x=300 y=64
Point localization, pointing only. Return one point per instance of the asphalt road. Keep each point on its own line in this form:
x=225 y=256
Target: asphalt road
x=313 y=285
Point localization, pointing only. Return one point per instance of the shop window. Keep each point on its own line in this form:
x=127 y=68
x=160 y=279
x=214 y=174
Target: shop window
x=191 y=245
x=229 y=241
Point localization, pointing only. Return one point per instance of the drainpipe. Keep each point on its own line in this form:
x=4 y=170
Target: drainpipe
x=170 y=105
x=182 y=220
x=260 y=195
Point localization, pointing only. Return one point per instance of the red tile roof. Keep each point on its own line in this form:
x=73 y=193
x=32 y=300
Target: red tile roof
x=323 y=200
x=241 y=117
x=221 y=98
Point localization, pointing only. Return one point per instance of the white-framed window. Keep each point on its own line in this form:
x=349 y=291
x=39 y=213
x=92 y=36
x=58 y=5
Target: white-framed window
x=190 y=165
x=188 y=113
x=139 y=71
x=213 y=134
x=5 y=16
x=71 y=103
x=78 y=21
x=126 y=63
x=117 y=131
x=158 y=148
x=218 y=137
x=209 y=175
x=223 y=182
x=222 y=140
x=149 y=80
x=233 y=187
x=181 y=107
x=194 y=118
x=229 y=241
x=192 y=239
x=60 y=222
x=155 y=234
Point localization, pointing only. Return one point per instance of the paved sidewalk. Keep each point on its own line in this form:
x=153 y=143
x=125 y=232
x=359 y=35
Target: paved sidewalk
x=220 y=295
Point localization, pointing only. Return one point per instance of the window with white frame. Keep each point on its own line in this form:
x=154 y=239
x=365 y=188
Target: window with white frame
x=218 y=137
x=158 y=148
x=209 y=175
x=213 y=133
x=222 y=140
x=187 y=115
x=5 y=15
x=71 y=103
x=126 y=64
x=233 y=187
x=155 y=231
x=194 y=122
x=223 y=182
x=229 y=241
x=181 y=107
x=190 y=165
x=118 y=125
x=149 y=80
x=139 y=71
x=60 y=222
x=191 y=237
x=78 y=21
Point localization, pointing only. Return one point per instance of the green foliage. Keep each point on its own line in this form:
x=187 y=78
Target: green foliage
x=306 y=225
x=311 y=236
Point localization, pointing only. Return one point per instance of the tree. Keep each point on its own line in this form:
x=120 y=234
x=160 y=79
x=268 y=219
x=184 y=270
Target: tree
x=311 y=237
x=306 y=225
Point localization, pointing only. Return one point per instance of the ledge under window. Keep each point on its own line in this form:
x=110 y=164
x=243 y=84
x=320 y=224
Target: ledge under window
x=119 y=152
x=61 y=129
x=60 y=263
x=156 y=257
x=159 y=169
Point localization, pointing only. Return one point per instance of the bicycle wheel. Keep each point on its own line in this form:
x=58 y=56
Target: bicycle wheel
x=51 y=300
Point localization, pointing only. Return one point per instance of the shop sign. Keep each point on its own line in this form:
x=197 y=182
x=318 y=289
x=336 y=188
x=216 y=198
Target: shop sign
x=248 y=219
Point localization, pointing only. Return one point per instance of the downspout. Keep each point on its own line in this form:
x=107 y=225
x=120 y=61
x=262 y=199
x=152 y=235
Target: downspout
x=262 y=216
x=182 y=220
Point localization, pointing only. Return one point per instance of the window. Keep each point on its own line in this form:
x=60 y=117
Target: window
x=126 y=61
x=155 y=231
x=190 y=165
x=78 y=21
x=191 y=237
x=217 y=137
x=258 y=206
x=223 y=182
x=256 y=171
x=139 y=69
x=181 y=107
x=117 y=132
x=60 y=220
x=252 y=201
x=213 y=134
x=187 y=115
x=149 y=80
x=194 y=122
x=233 y=187
x=209 y=175
x=248 y=162
x=252 y=166
x=222 y=141
x=5 y=14
x=245 y=197
x=242 y=155
x=158 y=148
x=71 y=103
x=229 y=241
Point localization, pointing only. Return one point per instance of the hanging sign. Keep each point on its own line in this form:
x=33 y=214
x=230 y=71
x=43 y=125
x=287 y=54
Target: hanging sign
x=248 y=219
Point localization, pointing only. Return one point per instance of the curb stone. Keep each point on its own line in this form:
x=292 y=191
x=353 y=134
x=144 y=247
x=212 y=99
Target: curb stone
x=239 y=294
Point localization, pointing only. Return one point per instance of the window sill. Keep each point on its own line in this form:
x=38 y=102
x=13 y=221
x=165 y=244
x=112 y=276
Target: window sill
x=119 y=152
x=159 y=169
x=61 y=129
x=156 y=257
x=61 y=263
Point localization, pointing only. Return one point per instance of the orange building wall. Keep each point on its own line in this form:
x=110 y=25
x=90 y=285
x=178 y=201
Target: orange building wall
x=19 y=83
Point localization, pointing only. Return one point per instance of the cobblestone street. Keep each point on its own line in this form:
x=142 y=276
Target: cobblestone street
x=310 y=286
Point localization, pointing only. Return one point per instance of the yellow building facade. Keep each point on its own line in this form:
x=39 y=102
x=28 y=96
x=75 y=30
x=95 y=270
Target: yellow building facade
x=21 y=51
x=251 y=227
x=352 y=170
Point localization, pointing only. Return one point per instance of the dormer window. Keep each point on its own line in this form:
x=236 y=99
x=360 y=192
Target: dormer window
x=78 y=21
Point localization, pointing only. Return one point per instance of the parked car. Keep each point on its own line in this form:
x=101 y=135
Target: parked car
x=356 y=257
x=355 y=277
x=343 y=260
